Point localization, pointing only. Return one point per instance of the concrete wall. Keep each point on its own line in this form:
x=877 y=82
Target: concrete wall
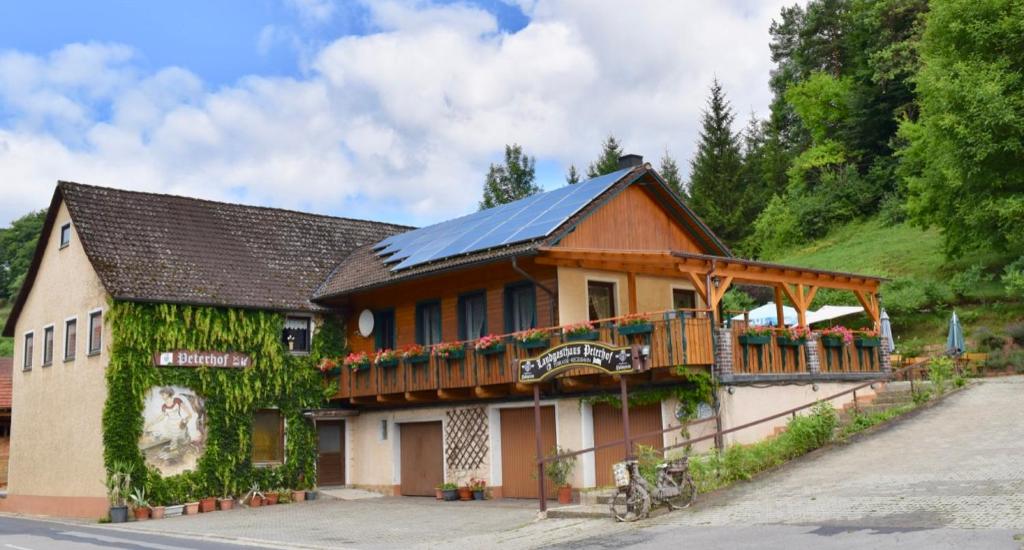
x=652 y=293
x=56 y=462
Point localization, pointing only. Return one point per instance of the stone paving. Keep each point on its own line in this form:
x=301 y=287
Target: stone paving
x=958 y=464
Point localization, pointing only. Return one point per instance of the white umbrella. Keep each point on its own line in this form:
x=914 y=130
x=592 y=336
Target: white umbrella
x=887 y=331
x=767 y=315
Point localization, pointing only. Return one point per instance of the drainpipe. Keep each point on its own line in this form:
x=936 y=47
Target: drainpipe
x=551 y=293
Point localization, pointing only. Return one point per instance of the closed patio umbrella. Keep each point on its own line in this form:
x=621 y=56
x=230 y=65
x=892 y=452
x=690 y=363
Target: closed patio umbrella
x=886 y=333
x=955 y=339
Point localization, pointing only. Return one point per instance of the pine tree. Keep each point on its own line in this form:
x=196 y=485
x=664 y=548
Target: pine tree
x=715 y=182
x=669 y=171
x=608 y=161
x=572 y=177
x=510 y=181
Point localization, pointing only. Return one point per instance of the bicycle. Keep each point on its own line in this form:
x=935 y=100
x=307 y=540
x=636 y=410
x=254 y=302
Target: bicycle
x=634 y=498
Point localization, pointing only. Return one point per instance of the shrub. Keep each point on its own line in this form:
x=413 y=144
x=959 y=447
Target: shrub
x=966 y=282
x=940 y=372
x=1013 y=279
x=988 y=340
x=806 y=433
x=1016 y=333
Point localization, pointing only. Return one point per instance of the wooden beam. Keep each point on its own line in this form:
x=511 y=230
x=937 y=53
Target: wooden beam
x=698 y=285
x=421 y=396
x=631 y=283
x=489 y=392
x=455 y=393
x=719 y=292
x=801 y=305
x=780 y=313
x=810 y=296
x=870 y=306
x=391 y=398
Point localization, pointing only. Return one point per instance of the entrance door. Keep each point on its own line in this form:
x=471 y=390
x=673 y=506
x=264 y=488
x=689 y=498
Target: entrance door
x=330 y=463
x=422 y=458
x=608 y=428
x=519 y=451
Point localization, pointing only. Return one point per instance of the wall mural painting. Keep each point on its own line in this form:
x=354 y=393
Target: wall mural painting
x=174 y=429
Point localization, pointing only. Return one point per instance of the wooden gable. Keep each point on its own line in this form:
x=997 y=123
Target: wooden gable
x=633 y=220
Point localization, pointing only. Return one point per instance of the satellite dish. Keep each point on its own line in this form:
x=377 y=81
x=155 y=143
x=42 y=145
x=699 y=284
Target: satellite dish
x=366 y=323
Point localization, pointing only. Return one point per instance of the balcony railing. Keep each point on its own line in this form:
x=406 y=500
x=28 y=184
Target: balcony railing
x=776 y=353
x=677 y=337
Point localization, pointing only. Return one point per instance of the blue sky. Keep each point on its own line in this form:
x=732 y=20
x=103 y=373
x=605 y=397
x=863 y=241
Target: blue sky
x=386 y=110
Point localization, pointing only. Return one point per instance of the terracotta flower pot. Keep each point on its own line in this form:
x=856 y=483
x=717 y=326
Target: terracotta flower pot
x=208 y=504
x=141 y=514
x=438 y=493
x=565 y=494
x=191 y=508
x=225 y=503
x=256 y=501
x=298 y=496
x=465 y=493
x=157 y=512
x=271 y=499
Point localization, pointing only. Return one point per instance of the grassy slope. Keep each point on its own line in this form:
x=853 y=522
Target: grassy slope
x=903 y=251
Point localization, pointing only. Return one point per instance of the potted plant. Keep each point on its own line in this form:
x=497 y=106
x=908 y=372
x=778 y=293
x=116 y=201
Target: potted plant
x=271 y=497
x=207 y=504
x=387 y=358
x=450 y=491
x=119 y=482
x=477 y=486
x=835 y=337
x=298 y=495
x=438 y=493
x=450 y=351
x=756 y=335
x=793 y=337
x=559 y=470
x=415 y=354
x=140 y=506
x=534 y=338
x=868 y=339
x=634 y=324
x=329 y=367
x=227 y=486
x=580 y=332
x=465 y=492
x=312 y=494
x=255 y=496
x=175 y=494
x=490 y=345
x=357 y=361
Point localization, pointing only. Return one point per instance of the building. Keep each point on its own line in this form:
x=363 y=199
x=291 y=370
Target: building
x=5 y=416
x=209 y=333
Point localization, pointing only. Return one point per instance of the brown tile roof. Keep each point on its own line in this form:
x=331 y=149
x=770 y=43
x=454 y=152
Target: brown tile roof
x=6 y=366
x=164 y=248
x=364 y=269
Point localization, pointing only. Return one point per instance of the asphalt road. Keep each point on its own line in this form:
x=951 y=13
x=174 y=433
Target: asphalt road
x=32 y=534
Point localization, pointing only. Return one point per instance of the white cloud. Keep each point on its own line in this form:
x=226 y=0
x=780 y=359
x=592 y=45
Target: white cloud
x=399 y=123
x=313 y=11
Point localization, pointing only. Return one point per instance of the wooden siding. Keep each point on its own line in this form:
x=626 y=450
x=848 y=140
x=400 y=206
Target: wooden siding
x=633 y=220
x=519 y=451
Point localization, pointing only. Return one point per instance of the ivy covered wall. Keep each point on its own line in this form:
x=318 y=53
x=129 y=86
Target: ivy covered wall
x=275 y=379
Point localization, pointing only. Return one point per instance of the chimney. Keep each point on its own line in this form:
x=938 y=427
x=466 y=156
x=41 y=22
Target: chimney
x=630 y=161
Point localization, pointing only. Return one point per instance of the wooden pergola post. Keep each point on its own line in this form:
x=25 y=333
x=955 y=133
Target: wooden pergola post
x=780 y=313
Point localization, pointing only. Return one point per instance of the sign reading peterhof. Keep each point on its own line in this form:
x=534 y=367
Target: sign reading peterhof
x=174 y=429
x=213 y=359
x=610 y=359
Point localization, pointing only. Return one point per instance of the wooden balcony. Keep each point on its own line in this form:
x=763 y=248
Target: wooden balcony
x=780 y=356
x=676 y=338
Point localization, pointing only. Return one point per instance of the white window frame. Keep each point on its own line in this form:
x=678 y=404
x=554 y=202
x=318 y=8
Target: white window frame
x=312 y=327
x=60 y=236
x=74 y=352
x=26 y=355
x=89 y=352
x=53 y=339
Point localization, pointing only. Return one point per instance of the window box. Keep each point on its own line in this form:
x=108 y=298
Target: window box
x=496 y=349
x=868 y=342
x=535 y=344
x=453 y=355
x=387 y=363
x=333 y=371
x=420 y=359
x=635 y=328
x=754 y=339
x=787 y=342
x=589 y=335
x=832 y=341
x=359 y=367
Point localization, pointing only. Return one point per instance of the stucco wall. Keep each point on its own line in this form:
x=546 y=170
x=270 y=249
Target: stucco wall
x=56 y=443
x=652 y=293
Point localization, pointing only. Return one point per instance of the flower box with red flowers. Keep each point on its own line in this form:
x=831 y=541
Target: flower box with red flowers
x=329 y=367
x=835 y=337
x=793 y=337
x=490 y=345
x=634 y=324
x=387 y=358
x=755 y=336
x=533 y=339
x=580 y=332
x=415 y=355
x=357 y=361
x=450 y=351
x=868 y=339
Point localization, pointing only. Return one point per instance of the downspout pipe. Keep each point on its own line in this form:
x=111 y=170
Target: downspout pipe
x=551 y=293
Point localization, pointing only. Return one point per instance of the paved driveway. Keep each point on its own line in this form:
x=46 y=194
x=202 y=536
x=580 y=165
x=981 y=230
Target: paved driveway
x=952 y=476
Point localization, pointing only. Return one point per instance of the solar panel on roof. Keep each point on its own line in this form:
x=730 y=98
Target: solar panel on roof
x=523 y=220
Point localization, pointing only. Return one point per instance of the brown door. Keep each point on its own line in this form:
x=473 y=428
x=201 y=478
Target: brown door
x=519 y=450
x=422 y=458
x=330 y=463
x=608 y=428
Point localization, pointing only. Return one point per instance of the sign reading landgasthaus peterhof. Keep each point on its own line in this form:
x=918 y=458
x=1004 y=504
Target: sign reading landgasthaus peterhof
x=212 y=359
x=595 y=355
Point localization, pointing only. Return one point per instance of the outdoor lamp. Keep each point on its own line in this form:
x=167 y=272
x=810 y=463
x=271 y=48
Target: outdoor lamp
x=814 y=387
x=716 y=280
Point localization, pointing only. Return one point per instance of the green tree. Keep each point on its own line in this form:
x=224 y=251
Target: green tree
x=572 y=177
x=669 y=171
x=608 y=161
x=715 y=169
x=510 y=181
x=17 y=246
x=964 y=158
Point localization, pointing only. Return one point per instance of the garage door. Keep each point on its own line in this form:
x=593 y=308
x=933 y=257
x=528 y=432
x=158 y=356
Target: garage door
x=608 y=428
x=422 y=458
x=519 y=450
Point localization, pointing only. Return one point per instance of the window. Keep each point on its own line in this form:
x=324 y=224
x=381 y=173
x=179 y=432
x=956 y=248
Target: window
x=70 y=338
x=520 y=307
x=384 y=430
x=472 y=316
x=48 y=346
x=683 y=299
x=384 y=327
x=95 y=332
x=65 y=234
x=28 y=350
x=267 y=436
x=428 y=323
x=296 y=334
x=600 y=300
